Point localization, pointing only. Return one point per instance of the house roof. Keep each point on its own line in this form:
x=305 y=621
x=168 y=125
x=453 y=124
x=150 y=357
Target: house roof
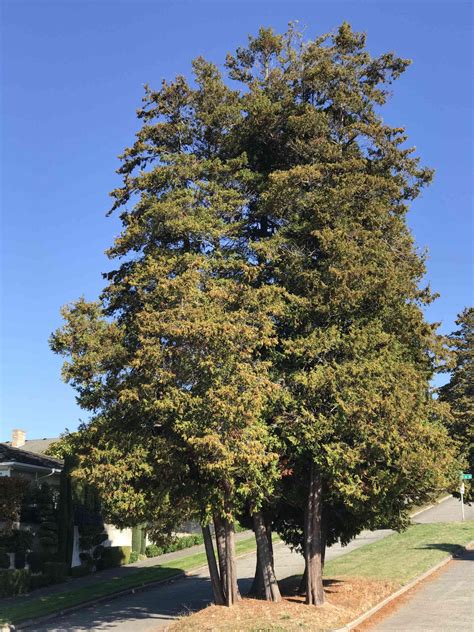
x=38 y=446
x=24 y=457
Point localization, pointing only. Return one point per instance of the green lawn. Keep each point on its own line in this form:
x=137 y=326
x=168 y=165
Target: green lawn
x=403 y=556
x=33 y=607
x=399 y=557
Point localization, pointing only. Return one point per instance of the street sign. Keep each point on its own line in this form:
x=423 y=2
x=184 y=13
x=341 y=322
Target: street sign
x=467 y=477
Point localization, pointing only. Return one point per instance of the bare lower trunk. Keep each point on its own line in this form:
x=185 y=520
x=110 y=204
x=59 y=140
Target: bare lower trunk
x=233 y=594
x=324 y=533
x=217 y=590
x=271 y=592
x=314 y=541
x=226 y=553
x=220 y=540
x=302 y=586
x=257 y=589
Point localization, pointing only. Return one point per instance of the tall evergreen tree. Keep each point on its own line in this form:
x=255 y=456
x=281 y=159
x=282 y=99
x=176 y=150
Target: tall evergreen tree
x=327 y=217
x=265 y=319
x=459 y=391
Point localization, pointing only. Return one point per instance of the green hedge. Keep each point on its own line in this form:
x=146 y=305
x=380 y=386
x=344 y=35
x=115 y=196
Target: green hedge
x=4 y=559
x=81 y=571
x=14 y=582
x=39 y=581
x=36 y=561
x=113 y=556
x=56 y=571
x=184 y=542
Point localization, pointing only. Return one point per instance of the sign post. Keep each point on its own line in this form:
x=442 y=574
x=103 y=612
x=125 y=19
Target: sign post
x=464 y=477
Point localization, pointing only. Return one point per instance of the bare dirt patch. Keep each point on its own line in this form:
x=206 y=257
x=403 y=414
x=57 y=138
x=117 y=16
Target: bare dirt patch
x=346 y=599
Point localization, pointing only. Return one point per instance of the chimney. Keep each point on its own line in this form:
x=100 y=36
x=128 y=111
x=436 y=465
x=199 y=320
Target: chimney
x=18 y=438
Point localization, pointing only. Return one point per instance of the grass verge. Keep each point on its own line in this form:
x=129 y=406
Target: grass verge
x=403 y=556
x=354 y=583
x=33 y=607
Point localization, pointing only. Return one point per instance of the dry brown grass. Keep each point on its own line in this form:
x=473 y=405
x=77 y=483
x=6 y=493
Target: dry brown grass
x=346 y=598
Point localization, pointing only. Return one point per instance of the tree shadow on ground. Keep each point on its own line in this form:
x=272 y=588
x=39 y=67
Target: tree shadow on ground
x=454 y=549
x=159 y=604
x=289 y=587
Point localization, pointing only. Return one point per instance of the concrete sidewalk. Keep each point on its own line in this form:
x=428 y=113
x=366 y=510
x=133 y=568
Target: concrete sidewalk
x=443 y=604
x=157 y=607
x=113 y=573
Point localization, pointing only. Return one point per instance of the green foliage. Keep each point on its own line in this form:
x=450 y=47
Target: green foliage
x=14 y=582
x=20 y=559
x=459 y=391
x=183 y=542
x=47 y=532
x=65 y=514
x=36 y=561
x=113 y=556
x=13 y=490
x=56 y=571
x=4 y=558
x=16 y=540
x=39 y=581
x=81 y=571
x=265 y=314
x=138 y=539
x=152 y=550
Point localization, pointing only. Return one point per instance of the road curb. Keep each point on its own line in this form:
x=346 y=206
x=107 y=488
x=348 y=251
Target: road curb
x=367 y=615
x=7 y=627
x=438 y=502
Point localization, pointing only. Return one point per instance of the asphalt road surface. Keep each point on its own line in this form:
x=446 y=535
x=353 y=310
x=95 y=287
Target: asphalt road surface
x=154 y=609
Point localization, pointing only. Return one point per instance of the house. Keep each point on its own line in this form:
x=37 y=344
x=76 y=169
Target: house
x=25 y=457
x=17 y=461
x=37 y=446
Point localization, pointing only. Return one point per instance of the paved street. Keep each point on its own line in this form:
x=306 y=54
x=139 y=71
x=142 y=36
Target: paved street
x=444 y=604
x=153 y=609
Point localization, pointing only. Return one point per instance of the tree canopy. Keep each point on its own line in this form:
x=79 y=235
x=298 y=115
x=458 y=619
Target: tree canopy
x=262 y=341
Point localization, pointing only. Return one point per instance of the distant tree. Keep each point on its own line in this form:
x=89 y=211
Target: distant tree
x=459 y=391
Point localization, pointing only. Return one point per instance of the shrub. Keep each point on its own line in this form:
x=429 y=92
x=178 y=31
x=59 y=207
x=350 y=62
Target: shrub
x=14 y=582
x=36 y=561
x=56 y=571
x=113 y=556
x=98 y=552
x=20 y=559
x=4 y=559
x=81 y=571
x=86 y=558
x=39 y=581
x=152 y=550
x=133 y=557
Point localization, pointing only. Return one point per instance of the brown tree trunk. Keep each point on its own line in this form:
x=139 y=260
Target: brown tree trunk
x=324 y=533
x=314 y=541
x=257 y=590
x=226 y=553
x=217 y=590
x=271 y=591
x=302 y=586
x=233 y=594
x=220 y=540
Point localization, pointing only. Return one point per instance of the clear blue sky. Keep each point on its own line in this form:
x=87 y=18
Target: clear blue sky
x=72 y=78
